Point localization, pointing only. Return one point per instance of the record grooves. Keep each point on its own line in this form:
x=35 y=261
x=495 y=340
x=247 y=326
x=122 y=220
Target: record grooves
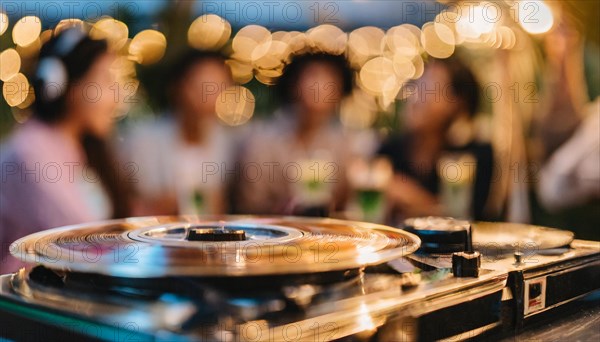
x=154 y=247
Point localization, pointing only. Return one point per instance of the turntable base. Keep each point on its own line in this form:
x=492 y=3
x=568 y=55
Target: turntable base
x=380 y=287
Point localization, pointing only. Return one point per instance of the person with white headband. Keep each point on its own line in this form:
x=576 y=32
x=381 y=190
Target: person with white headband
x=57 y=168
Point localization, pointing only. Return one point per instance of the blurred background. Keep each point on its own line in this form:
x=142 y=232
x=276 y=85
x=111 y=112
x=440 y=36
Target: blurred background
x=473 y=109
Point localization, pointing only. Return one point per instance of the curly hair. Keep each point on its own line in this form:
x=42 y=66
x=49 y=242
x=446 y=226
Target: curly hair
x=285 y=87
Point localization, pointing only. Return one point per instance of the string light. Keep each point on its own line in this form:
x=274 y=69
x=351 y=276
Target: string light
x=147 y=47
x=434 y=45
x=10 y=64
x=383 y=60
x=68 y=23
x=534 y=17
x=3 y=23
x=15 y=90
x=115 y=32
x=235 y=105
x=27 y=30
x=209 y=32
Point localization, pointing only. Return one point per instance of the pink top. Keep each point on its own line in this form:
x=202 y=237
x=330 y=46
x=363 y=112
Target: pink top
x=43 y=186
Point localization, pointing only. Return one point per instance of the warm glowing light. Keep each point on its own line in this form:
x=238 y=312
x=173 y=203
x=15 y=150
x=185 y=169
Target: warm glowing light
x=328 y=38
x=148 y=47
x=534 y=17
x=249 y=38
x=433 y=44
x=10 y=64
x=377 y=74
x=264 y=78
x=28 y=100
x=445 y=26
x=123 y=72
x=45 y=36
x=209 y=32
x=27 y=30
x=477 y=21
x=30 y=50
x=297 y=42
x=482 y=20
x=365 y=43
x=508 y=37
x=364 y=320
x=20 y=115
x=3 y=23
x=15 y=90
x=235 y=105
x=419 y=66
x=404 y=40
x=68 y=23
x=389 y=93
x=270 y=54
x=113 y=31
x=403 y=67
x=123 y=69
x=241 y=72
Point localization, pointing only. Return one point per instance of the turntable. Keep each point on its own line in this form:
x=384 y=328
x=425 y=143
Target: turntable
x=289 y=279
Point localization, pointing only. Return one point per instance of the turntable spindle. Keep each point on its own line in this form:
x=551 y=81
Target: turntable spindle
x=215 y=234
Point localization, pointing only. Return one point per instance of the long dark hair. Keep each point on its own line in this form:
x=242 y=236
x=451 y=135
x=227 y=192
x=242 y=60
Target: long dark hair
x=463 y=83
x=76 y=61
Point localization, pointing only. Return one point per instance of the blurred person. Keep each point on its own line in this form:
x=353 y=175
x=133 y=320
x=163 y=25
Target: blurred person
x=296 y=163
x=571 y=177
x=438 y=119
x=181 y=158
x=568 y=129
x=561 y=115
x=57 y=168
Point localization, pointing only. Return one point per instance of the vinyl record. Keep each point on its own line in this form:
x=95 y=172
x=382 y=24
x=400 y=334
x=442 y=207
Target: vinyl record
x=150 y=247
x=514 y=236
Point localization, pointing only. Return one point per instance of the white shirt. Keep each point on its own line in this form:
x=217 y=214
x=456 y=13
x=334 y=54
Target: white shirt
x=572 y=175
x=168 y=166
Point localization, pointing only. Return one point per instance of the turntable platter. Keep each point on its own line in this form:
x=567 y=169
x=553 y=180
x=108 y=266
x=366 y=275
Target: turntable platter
x=151 y=247
x=508 y=236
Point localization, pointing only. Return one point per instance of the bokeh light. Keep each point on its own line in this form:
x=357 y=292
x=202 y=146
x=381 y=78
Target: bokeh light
x=15 y=90
x=113 y=31
x=508 y=37
x=365 y=43
x=31 y=50
x=235 y=105
x=46 y=35
x=433 y=44
x=27 y=30
x=377 y=74
x=209 y=32
x=28 y=99
x=481 y=22
x=69 y=23
x=241 y=72
x=147 y=47
x=3 y=23
x=534 y=16
x=404 y=40
x=327 y=38
x=249 y=38
x=383 y=61
x=10 y=64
